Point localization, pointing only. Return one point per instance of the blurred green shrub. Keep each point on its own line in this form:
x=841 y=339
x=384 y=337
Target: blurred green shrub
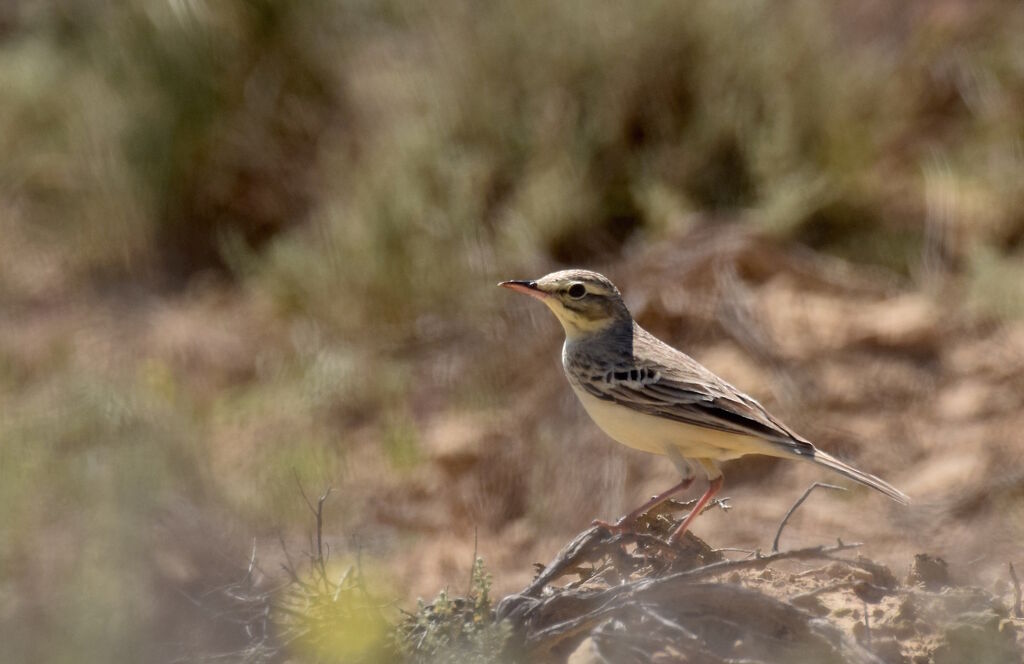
x=87 y=467
x=520 y=135
x=174 y=127
x=428 y=143
x=325 y=619
x=228 y=101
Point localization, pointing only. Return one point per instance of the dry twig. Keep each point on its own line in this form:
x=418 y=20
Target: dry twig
x=797 y=504
x=553 y=620
x=318 y=556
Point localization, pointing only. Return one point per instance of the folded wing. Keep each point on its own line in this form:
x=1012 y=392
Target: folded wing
x=672 y=385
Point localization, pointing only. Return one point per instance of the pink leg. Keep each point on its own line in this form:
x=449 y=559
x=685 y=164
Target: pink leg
x=713 y=487
x=627 y=522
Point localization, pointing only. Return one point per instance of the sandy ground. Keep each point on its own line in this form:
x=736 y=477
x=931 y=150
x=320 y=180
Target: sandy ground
x=903 y=379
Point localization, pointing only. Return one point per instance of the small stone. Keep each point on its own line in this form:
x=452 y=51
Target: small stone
x=869 y=592
x=930 y=571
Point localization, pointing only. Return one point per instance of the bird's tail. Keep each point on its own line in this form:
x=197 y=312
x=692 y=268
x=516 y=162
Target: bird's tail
x=860 y=476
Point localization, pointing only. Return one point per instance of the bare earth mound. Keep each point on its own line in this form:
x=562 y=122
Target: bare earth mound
x=631 y=598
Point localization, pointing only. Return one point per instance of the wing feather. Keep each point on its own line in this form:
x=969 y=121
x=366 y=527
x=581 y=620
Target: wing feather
x=672 y=385
x=667 y=383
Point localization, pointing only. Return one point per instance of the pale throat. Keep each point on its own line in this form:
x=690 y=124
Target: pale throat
x=578 y=327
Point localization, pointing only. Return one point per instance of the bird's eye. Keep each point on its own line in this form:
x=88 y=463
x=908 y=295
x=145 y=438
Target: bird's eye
x=576 y=291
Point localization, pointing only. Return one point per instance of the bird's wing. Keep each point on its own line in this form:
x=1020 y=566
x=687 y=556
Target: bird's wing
x=672 y=385
x=667 y=383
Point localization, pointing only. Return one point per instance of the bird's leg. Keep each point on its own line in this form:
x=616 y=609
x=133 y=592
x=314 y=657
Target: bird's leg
x=685 y=469
x=626 y=523
x=714 y=486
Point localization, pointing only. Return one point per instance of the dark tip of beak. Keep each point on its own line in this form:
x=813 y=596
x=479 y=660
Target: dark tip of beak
x=526 y=287
x=522 y=283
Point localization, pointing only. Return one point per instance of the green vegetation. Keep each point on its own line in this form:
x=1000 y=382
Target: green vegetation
x=455 y=629
x=188 y=135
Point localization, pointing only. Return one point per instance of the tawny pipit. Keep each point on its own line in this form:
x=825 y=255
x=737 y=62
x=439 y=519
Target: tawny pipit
x=649 y=396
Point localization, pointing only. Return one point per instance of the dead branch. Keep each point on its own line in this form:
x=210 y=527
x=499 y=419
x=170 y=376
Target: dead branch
x=796 y=505
x=317 y=556
x=705 y=609
x=597 y=543
x=586 y=546
x=672 y=505
x=554 y=618
x=809 y=553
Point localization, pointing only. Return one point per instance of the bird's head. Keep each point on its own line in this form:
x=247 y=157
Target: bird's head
x=585 y=302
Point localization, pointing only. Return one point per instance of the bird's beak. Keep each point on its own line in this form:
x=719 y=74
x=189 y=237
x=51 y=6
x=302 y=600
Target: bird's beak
x=528 y=287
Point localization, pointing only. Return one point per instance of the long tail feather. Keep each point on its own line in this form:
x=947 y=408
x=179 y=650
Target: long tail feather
x=860 y=476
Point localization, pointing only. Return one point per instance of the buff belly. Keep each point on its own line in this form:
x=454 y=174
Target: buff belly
x=654 y=434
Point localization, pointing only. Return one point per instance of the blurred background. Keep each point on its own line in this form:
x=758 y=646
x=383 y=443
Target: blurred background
x=251 y=245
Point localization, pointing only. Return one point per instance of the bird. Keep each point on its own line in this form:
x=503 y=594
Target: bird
x=649 y=396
